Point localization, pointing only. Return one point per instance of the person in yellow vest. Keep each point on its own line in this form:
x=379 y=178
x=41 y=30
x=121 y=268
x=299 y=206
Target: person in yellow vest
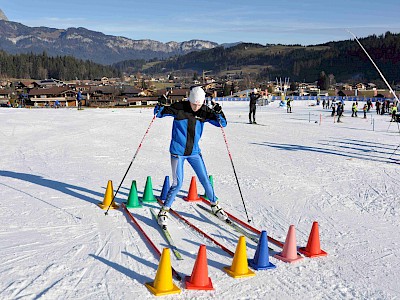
x=354 y=109
x=394 y=112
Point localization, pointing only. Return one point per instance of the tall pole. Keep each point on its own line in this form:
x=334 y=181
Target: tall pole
x=379 y=71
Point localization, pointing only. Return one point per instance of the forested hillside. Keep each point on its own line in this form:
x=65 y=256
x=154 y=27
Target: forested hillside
x=44 y=66
x=344 y=59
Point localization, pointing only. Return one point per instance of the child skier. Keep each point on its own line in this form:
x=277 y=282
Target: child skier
x=189 y=118
x=365 y=109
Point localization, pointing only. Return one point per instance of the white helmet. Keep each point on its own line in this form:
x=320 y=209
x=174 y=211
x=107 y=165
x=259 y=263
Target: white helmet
x=197 y=95
x=255 y=91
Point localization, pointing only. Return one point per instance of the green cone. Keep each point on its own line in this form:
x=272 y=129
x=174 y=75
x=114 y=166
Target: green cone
x=148 y=195
x=133 y=200
x=211 y=178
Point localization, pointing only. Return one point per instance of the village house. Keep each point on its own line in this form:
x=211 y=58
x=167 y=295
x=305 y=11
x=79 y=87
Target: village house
x=5 y=96
x=174 y=95
x=47 y=97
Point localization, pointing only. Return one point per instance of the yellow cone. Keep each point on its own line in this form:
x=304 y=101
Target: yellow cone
x=240 y=267
x=108 y=196
x=162 y=284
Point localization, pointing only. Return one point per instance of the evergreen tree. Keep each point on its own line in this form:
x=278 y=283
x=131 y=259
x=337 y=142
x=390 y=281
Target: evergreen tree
x=322 y=82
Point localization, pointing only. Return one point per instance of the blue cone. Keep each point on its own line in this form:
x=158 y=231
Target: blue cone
x=165 y=189
x=261 y=257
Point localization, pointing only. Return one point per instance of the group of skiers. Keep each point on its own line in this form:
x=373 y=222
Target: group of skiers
x=385 y=107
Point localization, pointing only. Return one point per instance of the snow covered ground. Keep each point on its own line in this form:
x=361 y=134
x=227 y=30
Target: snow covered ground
x=56 y=243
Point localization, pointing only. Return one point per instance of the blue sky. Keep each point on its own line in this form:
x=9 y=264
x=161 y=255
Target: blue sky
x=257 y=21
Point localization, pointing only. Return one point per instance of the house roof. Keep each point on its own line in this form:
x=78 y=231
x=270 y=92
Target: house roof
x=177 y=92
x=346 y=93
x=102 y=89
x=136 y=99
x=55 y=90
x=130 y=90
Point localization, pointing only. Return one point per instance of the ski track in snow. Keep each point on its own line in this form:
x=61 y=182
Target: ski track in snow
x=58 y=244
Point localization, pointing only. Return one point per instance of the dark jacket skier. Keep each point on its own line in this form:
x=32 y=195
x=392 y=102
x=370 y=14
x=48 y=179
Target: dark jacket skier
x=339 y=112
x=253 y=101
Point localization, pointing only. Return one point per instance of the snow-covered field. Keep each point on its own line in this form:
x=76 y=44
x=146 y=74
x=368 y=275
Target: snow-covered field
x=56 y=243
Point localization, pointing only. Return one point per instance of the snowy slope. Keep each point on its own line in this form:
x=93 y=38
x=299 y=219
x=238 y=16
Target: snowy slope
x=56 y=243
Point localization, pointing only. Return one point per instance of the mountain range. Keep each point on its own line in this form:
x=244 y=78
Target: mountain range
x=343 y=60
x=16 y=38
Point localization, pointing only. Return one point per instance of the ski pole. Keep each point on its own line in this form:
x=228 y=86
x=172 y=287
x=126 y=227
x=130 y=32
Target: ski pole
x=398 y=145
x=133 y=159
x=234 y=171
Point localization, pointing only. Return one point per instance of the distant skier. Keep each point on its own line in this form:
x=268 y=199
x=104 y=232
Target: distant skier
x=333 y=108
x=189 y=118
x=339 y=112
x=365 y=109
x=393 y=113
x=288 y=105
x=378 y=106
x=253 y=101
x=369 y=104
x=79 y=99
x=383 y=107
x=354 y=109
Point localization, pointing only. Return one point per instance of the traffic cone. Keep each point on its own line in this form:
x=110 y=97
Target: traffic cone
x=148 y=195
x=261 y=257
x=133 y=200
x=108 y=196
x=199 y=279
x=192 y=195
x=165 y=189
x=289 y=253
x=313 y=248
x=211 y=179
x=240 y=267
x=162 y=284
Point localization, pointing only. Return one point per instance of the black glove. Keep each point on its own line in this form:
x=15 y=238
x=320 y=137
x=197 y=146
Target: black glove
x=217 y=108
x=162 y=100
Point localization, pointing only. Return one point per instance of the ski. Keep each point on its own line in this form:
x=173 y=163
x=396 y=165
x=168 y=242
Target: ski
x=235 y=227
x=148 y=239
x=168 y=237
x=197 y=229
x=247 y=226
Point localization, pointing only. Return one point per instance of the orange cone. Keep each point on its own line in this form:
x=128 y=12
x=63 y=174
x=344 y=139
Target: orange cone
x=240 y=267
x=193 y=195
x=313 y=248
x=289 y=253
x=108 y=197
x=163 y=284
x=199 y=279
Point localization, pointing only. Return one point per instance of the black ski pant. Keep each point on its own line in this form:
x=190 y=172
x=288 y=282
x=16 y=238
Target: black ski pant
x=252 y=112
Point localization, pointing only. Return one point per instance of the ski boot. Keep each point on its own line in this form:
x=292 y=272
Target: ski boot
x=162 y=217
x=219 y=212
x=254 y=122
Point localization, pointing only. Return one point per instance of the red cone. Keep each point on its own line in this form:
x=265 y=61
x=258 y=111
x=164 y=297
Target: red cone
x=193 y=195
x=313 y=248
x=199 y=279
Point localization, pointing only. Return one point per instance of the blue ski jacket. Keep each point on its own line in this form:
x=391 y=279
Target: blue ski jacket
x=188 y=125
